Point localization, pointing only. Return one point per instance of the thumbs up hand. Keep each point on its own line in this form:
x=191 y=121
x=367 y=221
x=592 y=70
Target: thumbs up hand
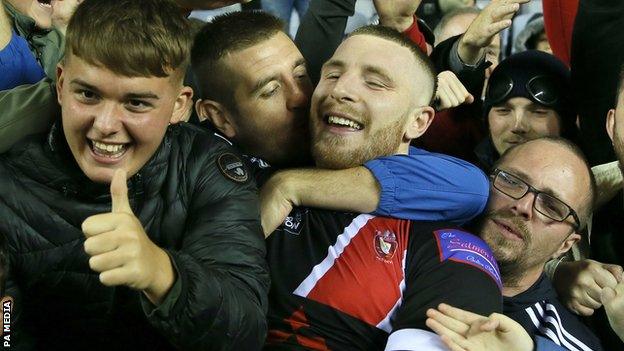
x=122 y=252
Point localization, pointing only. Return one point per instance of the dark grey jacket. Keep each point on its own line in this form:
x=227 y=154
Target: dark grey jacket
x=208 y=224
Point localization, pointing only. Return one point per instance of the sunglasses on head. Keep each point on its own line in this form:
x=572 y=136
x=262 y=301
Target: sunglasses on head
x=543 y=89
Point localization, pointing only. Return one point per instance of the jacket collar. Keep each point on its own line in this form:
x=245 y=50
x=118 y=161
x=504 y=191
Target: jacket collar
x=74 y=183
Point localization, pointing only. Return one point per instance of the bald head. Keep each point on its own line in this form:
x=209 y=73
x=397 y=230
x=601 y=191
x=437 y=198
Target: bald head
x=455 y=23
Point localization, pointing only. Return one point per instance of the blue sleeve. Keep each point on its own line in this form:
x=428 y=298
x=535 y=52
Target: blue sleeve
x=18 y=66
x=426 y=186
x=543 y=344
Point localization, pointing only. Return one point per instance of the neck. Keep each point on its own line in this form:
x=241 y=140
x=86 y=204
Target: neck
x=403 y=149
x=514 y=286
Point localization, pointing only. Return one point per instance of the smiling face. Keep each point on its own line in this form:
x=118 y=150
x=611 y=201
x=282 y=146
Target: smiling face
x=368 y=92
x=112 y=121
x=39 y=10
x=520 y=237
x=518 y=120
x=272 y=99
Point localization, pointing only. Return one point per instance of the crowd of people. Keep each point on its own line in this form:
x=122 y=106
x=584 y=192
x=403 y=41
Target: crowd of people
x=169 y=183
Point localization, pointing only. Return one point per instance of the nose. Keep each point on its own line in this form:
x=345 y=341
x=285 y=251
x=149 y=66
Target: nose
x=524 y=206
x=520 y=123
x=299 y=95
x=343 y=89
x=107 y=120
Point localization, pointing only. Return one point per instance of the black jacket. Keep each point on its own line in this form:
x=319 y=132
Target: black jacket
x=208 y=224
x=539 y=311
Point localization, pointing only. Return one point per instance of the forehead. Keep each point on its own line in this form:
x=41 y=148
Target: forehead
x=522 y=102
x=276 y=53
x=370 y=51
x=458 y=25
x=551 y=168
x=77 y=70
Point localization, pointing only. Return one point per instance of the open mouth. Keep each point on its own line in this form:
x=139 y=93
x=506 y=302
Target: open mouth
x=107 y=150
x=45 y=3
x=342 y=122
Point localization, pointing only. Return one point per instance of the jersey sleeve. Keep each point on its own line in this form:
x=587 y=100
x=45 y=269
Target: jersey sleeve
x=425 y=186
x=445 y=265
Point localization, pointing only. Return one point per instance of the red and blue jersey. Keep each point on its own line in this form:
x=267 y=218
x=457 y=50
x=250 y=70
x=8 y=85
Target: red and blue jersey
x=343 y=281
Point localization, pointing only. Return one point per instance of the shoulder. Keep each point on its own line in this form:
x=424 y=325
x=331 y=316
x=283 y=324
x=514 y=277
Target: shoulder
x=207 y=157
x=453 y=244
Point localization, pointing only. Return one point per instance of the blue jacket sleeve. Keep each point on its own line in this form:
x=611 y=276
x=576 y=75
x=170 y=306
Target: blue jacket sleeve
x=543 y=344
x=425 y=186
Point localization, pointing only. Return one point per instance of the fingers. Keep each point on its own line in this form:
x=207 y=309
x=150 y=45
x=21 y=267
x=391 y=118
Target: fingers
x=441 y=329
x=119 y=193
x=459 y=314
x=497 y=27
x=102 y=223
x=117 y=276
x=100 y=244
x=504 y=12
x=451 y=92
x=614 y=269
x=448 y=322
x=459 y=90
x=580 y=309
x=607 y=295
x=106 y=261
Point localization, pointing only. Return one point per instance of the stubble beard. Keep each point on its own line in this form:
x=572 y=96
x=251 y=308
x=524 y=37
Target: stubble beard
x=512 y=257
x=331 y=151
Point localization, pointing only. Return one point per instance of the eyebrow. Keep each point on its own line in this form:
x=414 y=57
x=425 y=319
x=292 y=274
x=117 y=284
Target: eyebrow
x=378 y=71
x=260 y=84
x=367 y=69
x=130 y=96
x=522 y=175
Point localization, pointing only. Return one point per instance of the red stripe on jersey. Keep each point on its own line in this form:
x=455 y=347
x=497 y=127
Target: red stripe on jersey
x=364 y=281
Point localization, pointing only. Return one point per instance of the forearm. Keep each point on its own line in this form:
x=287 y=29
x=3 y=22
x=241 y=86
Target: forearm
x=353 y=189
x=469 y=54
x=446 y=58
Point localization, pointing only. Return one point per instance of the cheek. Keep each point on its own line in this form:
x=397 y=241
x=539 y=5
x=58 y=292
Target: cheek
x=546 y=126
x=498 y=124
x=146 y=130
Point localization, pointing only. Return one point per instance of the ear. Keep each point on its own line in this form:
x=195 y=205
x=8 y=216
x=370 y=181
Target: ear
x=218 y=115
x=419 y=121
x=610 y=123
x=60 y=79
x=567 y=244
x=182 y=105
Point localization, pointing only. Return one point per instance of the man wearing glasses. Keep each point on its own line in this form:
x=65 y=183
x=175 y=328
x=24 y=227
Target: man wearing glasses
x=541 y=196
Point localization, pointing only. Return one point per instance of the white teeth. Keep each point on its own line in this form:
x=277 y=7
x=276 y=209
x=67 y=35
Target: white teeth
x=109 y=149
x=344 y=122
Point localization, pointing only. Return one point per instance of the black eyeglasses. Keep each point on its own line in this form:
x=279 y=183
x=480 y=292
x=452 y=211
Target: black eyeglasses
x=542 y=89
x=545 y=204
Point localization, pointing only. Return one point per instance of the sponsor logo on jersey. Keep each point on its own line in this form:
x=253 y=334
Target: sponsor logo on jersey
x=294 y=222
x=385 y=244
x=459 y=246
